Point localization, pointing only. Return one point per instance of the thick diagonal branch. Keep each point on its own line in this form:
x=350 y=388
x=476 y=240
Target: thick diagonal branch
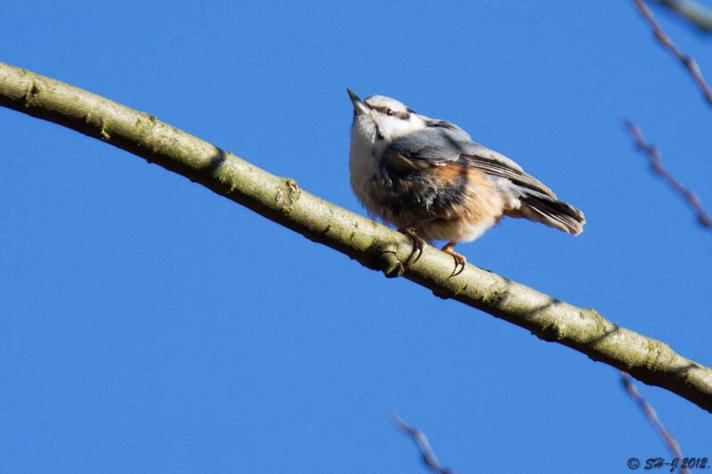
x=372 y=244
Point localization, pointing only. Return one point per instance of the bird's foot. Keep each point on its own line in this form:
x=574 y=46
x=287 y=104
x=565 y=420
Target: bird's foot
x=460 y=259
x=418 y=244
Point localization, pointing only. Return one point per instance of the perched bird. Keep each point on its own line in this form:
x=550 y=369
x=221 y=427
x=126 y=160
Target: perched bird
x=429 y=179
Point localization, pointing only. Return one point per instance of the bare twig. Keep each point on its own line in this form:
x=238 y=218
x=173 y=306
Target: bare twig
x=371 y=244
x=652 y=416
x=656 y=165
x=691 y=11
x=687 y=61
x=426 y=451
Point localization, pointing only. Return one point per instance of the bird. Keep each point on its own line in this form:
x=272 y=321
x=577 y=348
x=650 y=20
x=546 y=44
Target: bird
x=430 y=180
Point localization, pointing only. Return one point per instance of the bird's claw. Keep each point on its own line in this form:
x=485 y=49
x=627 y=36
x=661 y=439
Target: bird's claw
x=418 y=244
x=460 y=260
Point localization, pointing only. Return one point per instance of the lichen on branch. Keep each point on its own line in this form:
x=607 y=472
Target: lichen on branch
x=373 y=245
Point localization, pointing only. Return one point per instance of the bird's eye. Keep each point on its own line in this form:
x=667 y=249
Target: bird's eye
x=389 y=112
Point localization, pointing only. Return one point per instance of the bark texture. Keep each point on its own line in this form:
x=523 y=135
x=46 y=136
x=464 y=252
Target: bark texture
x=373 y=245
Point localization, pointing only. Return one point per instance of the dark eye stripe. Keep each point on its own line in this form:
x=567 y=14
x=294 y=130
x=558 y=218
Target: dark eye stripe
x=387 y=111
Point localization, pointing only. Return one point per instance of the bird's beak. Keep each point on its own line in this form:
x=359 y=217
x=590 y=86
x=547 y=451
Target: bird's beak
x=359 y=107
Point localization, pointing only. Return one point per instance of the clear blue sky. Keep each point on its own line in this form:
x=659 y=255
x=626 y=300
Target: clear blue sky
x=149 y=325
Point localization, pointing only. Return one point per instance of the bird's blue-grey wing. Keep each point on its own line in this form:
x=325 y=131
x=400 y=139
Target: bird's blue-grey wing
x=448 y=147
x=445 y=144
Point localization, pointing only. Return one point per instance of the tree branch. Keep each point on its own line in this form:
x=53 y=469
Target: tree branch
x=656 y=165
x=372 y=244
x=691 y=11
x=687 y=61
x=426 y=451
x=652 y=416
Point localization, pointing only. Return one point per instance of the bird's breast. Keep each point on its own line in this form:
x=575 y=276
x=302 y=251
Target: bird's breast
x=445 y=202
x=363 y=167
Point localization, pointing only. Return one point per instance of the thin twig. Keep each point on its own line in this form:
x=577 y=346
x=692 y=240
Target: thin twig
x=691 y=11
x=652 y=416
x=426 y=451
x=687 y=61
x=703 y=217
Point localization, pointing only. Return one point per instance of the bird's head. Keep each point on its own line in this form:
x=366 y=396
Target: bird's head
x=385 y=117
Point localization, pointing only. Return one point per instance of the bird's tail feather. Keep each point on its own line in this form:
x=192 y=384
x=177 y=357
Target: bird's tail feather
x=550 y=211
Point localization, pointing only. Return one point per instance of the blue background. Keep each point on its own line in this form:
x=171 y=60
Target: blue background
x=148 y=325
